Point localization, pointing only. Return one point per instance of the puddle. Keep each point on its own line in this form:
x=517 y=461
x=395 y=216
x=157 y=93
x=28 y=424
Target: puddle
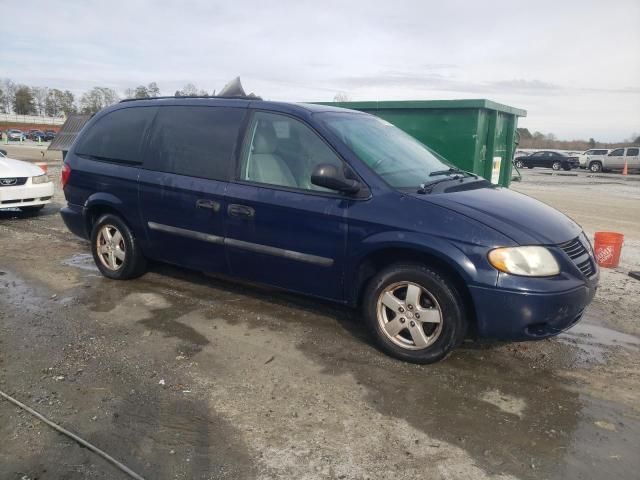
x=83 y=261
x=172 y=328
x=597 y=341
x=506 y=403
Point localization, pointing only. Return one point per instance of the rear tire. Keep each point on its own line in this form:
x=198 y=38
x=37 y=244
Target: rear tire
x=414 y=313
x=115 y=249
x=556 y=166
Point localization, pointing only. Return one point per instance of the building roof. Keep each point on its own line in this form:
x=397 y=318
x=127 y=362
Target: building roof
x=68 y=133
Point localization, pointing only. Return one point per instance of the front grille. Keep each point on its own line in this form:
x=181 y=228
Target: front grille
x=12 y=181
x=579 y=254
x=587 y=267
x=574 y=248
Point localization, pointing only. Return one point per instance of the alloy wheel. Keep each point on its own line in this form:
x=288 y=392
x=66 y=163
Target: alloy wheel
x=409 y=315
x=111 y=247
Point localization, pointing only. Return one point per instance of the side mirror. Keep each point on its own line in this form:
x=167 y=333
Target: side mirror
x=332 y=177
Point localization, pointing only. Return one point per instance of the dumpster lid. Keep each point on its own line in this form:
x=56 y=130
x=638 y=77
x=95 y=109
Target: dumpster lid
x=67 y=134
x=430 y=104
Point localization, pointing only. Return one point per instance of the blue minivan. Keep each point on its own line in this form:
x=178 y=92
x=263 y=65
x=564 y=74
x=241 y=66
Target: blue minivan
x=327 y=202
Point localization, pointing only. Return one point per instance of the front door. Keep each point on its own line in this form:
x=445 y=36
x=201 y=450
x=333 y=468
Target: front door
x=615 y=159
x=632 y=156
x=281 y=229
x=181 y=190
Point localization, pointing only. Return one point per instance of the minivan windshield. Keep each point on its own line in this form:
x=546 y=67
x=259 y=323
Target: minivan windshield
x=401 y=160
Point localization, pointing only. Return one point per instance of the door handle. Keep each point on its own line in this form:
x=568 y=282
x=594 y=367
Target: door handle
x=236 y=210
x=210 y=204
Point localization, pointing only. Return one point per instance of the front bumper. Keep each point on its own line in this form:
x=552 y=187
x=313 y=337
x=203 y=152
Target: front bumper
x=517 y=315
x=26 y=195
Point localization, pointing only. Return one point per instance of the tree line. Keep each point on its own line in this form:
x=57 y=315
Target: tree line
x=542 y=141
x=22 y=99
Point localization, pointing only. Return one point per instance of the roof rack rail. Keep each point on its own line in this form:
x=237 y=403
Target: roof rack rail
x=226 y=97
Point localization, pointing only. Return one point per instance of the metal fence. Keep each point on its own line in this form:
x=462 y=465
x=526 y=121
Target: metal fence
x=32 y=119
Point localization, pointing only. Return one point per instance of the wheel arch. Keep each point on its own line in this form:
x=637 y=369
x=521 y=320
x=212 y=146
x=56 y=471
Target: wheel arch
x=103 y=203
x=375 y=261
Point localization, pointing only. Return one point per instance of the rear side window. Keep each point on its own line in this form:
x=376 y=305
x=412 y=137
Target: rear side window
x=118 y=136
x=632 y=152
x=195 y=141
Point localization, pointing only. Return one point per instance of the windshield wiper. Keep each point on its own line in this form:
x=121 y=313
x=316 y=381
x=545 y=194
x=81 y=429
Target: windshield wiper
x=428 y=187
x=458 y=175
x=449 y=171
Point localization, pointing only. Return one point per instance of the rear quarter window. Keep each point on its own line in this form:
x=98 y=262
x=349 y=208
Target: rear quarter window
x=195 y=141
x=118 y=136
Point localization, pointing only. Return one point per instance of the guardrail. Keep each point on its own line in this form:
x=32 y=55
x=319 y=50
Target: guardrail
x=32 y=119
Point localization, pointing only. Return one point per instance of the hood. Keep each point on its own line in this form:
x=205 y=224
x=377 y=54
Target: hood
x=17 y=168
x=525 y=220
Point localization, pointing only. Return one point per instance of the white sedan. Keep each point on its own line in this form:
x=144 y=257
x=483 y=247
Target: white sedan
x=23 y=185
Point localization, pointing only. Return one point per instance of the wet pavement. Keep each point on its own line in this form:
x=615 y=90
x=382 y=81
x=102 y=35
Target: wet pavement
x=184 y=375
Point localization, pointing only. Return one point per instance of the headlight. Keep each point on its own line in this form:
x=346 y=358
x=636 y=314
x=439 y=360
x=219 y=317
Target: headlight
x=526 y=261
x=40 y=179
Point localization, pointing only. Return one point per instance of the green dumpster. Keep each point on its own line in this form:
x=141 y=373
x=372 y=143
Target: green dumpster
x=475 y=135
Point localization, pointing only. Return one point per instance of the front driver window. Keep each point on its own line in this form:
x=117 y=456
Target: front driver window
x=280 y=150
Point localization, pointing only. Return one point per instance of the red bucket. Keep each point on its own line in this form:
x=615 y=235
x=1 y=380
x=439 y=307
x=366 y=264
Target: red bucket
x=607 y=248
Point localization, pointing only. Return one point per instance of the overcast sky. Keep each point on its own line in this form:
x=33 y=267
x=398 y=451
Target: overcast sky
x=573 y=65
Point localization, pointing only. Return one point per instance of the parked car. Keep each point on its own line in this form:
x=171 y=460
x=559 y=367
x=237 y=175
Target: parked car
x=15 y=135
x=49 y=135
x=23 y=185
x=521 y=153
x=616 y=159
x=593 y=153
x=35 y=134
x=331 y=203
x=548 y=159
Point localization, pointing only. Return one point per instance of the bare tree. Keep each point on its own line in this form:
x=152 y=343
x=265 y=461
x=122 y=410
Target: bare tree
x=40 y=95
x=341 y=97
x=3 y=96
x=59 y=102
x=9 y=94
x=153 y=90
x=97 y=98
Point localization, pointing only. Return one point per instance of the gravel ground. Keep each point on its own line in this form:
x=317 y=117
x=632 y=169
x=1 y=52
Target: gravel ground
x=186 y=376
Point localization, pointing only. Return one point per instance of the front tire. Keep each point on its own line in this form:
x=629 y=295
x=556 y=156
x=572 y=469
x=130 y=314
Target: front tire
x=595 y=167
x=556 y=166
x=519 y=164
x=115 y=249
x=414 y=313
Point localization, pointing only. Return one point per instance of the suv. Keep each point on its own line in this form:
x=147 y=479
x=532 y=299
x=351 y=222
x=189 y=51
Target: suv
x=584 y=157
x=331 y=203
x=616 y=159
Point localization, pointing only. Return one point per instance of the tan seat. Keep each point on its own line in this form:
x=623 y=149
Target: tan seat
x=264 y=165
